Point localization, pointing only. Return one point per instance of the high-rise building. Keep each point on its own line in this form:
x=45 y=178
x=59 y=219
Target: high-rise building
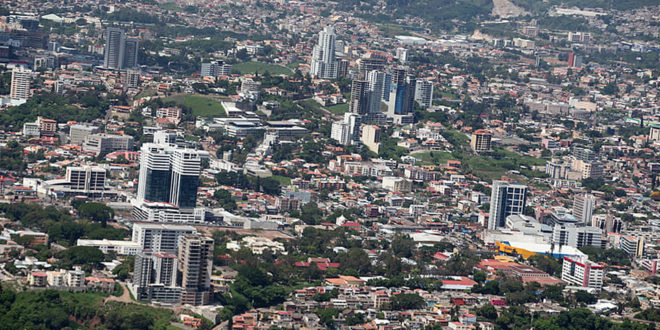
x=481 y=140
x=402 y=55
x=324 y=64
x=195 y=263
x=20 y=83
x=102 y=143
x=132 y=78
x=114 y=48
x=155 y=277
x=582 y=272
x=85 y=179
x=583 y=207
x=120 y=52
x=424 y=93
x=78 y=133
x=346 y=131
x=377 y=86
x=402 y=94
x=632 y=245
x=167 y=184
x=506 y=199
x=159 y=237
x=654 y=133
x=360 y=94
x=130 y=58
x=584 y=154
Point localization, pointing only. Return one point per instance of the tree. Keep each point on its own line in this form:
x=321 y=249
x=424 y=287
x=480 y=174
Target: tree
x=488 y=311
x=224 y=199
x=81 y=255
x=404 y=301
x=327 y=315
x=96 y=212
x=270 y=186
x=403 y=245
x=585 y=297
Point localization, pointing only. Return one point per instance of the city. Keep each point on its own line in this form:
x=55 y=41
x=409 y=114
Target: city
x=206 y=164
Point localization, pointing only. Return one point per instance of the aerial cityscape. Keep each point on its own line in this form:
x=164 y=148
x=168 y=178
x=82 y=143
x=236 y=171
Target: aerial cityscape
x=377 y=165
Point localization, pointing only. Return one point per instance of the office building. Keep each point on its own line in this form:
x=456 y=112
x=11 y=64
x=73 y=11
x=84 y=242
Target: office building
x=346 y=131
x=506 y=199
x=195 y=264
x=589 y=169
x=577 y=236
x=557 y=170
x=114 y=48
x=44 y=61
x=424 y=93
x=159 y=237
x=20 y=83
x=120 y=248
x=324 y=65
x=31 y=129
x=216 y=68
x=102 y=143
x=402 y=94
x=359 y=103
x=584 y=154
x=581 y=272
x=371 y=137
x=78 y=133
x=607 y=223
x=120 y=52
x=481 y=140
x=654 y=133
x=402 y=55
x=583 y=207
x=633 y=246
x=130 y=58
x=86 y=179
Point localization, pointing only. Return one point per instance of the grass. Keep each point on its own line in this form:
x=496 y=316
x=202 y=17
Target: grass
x=172 y=6
x=338 y=109
x=200 y=105
x=284 y=181
x=434 y=157
x=252 y=67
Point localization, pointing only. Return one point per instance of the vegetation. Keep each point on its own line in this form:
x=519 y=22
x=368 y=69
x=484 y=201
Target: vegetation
x=258 y=67
x=199 y=105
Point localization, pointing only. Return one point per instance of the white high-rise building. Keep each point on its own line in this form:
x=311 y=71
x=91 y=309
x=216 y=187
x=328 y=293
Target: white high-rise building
x=577 y=237
x=506 y=199
x=347 y=131
x=86 y=179
x=114 y=48
x=20 y=83
x=402 y=55
x=424 y=93
x=159 y=237
x=583 y=207
x=324 y=64
x=195 y=264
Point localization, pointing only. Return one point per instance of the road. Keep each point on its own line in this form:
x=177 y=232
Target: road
x=125 y=297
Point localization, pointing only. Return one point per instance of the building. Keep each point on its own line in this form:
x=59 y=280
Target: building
x=481 y=140
x=506 y=199
x=44 y=61
x=216 y=68
x=102 y=143
x=86 y=179
x=114 y=48
x=132 y=78
x=78 y=133
x=583 y=207
x=47 y=127
x=360 y=95
x=589 y=169
x=20 y=83
x=633 y=246
x=195 y=264
x=654 y=133
x=324 y=64
x=120 y=52
x=424 y=93
x=159 y=237
x=120 y=248
x=378 y=86
x=584 y=154
x=31 y=129
x=402 y=55
x=346 y=131
x=371 y=137
x=155 y=277
x=393 y=183
x=652 y=265
x=581 y=272
x=577 y=237
x=402 y=94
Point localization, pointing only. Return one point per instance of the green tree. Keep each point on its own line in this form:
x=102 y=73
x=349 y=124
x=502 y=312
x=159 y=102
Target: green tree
x=405 y=301
x=96 y=212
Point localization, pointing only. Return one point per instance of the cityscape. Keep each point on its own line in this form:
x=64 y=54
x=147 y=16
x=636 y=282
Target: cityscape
x=279 y=164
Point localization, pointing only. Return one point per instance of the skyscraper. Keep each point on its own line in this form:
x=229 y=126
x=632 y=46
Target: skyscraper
x=346 y=131
x=360 y=95
x=169 y=174
x=155 y=276
x=402 y=93
x=130 y=58
x=20 y=83
x=114 y=48
x=324 y=65
x=120 y=52
x=583 y=207
x=195 y=262
x=377 y=82
x=506 y=199
x=424 y=93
